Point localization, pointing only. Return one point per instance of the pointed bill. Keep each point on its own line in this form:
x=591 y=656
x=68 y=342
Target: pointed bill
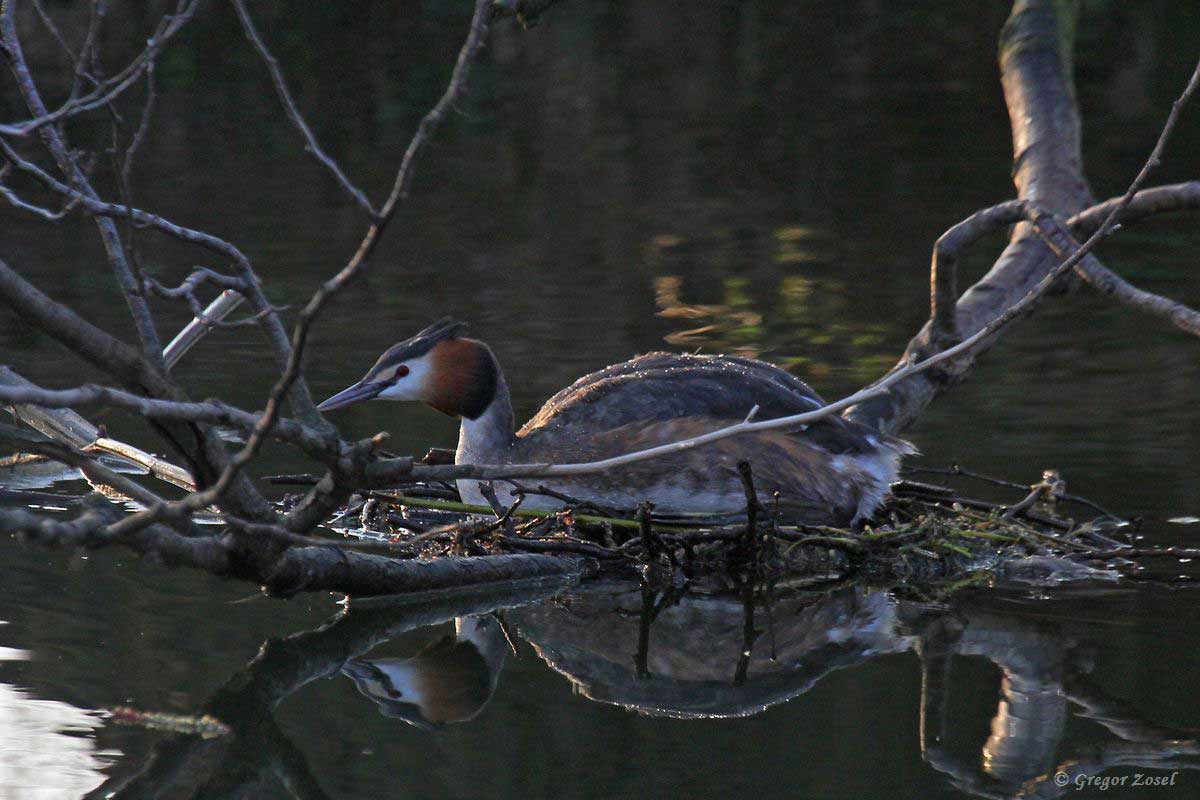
x=363 y=390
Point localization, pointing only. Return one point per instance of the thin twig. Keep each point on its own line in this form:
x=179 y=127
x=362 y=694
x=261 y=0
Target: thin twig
x=956 y=470
x=143 y=128
x=109 y=89
x=293 y=112
x=55 y=142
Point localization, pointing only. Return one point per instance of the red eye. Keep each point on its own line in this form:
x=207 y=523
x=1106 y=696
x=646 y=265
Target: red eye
x=401 y=371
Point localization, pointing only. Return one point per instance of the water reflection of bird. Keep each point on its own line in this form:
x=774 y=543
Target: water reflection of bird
x=687 y=658
x=451 y=680
x=831 y=472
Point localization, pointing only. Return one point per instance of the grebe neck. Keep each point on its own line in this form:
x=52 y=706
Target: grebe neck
x=488 y=438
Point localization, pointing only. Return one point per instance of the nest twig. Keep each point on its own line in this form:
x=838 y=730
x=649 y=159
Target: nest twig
x=925 y=532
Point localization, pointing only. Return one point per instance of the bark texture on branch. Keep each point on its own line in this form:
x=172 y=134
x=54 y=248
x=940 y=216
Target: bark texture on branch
x=306 y=569
x=1047 y=170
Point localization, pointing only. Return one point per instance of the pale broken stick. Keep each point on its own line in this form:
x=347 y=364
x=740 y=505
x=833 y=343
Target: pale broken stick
x=67 y=426
x=195 y=330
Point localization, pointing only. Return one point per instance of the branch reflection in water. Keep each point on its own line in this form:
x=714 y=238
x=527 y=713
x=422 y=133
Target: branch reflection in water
x=685 y=657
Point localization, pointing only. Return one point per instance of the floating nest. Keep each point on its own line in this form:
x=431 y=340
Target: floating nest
x=926 y=533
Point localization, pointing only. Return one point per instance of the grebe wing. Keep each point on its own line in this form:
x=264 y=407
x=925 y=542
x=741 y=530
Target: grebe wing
x=658 y=387
x=814 y=484
x=668 y=385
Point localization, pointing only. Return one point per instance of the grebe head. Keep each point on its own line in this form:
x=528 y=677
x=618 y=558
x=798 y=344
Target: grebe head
x=455 y=375
x=450 y=680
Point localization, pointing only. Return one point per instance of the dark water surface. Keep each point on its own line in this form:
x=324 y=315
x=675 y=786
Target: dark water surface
x=764 y=178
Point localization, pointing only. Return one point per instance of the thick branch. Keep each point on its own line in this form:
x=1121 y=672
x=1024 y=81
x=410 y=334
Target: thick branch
x=84 y=339
x=1045 y=137
x=298 y=569
x=1112 y=285
x=93 y=528
x=989 y=220
x=1046 y=159
x=305 y=569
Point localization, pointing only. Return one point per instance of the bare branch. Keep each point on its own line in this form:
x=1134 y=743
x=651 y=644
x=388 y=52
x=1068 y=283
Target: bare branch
x=951 y=244
x=249 y=285
x=319 y=567
x=211 y=411
x=944 y=269
x=52 y=137
x=93 y=529
x=197 y=278
x=83 y=338
x=289 y=106
x=1046 y=157
x=430 y=122
x=203 y=450
x=1034 y=71
x=143 y=128
x=1110 y=284
x=54 y=32
x=16 y=201
x=86 y=530
x=105 y=92
x=1146 y=203
x=94 y=205
x=159 y=468
x=310 y=569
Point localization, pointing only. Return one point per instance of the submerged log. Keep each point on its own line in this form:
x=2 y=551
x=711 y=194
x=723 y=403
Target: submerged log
x=307 y=569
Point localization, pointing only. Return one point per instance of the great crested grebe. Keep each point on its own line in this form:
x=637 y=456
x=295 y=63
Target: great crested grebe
x=831 y=472
x=451 y=680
